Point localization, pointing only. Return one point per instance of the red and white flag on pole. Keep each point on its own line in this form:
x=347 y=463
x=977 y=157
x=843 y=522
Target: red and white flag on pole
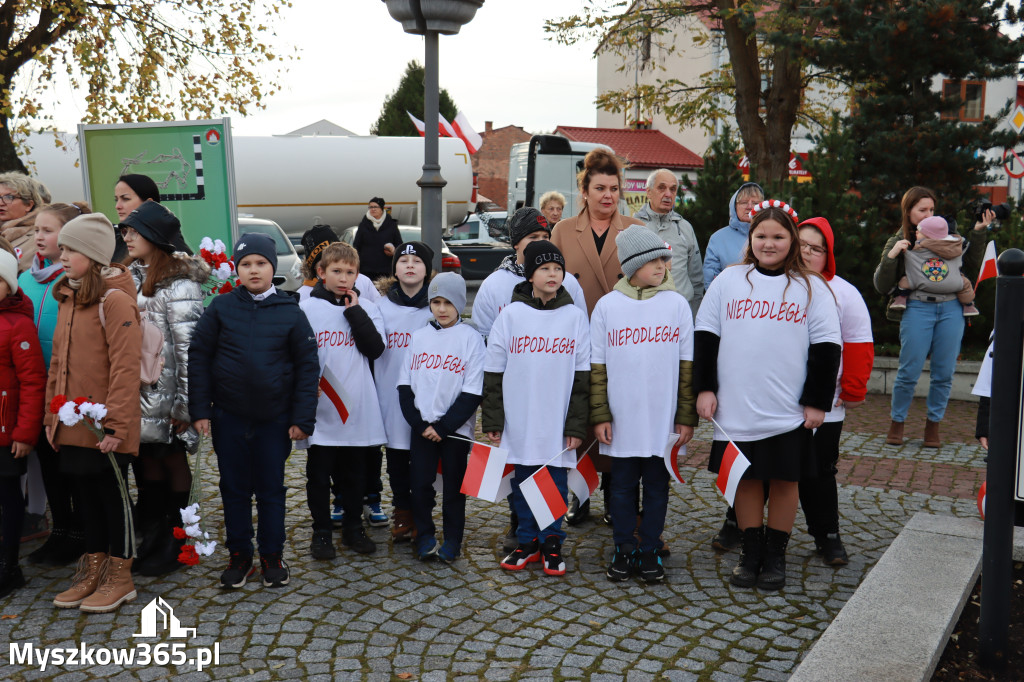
x=981 y=498
x=546 y=502
x=466 y=133
x=444 y=128
x=486 y=471
x=734 y=463
x=421 y=128
x=332 y=390
x=583 y=479
x=674 y=453
x=988 y=265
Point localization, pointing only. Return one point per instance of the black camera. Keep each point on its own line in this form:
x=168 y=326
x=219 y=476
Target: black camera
x=1002 y=210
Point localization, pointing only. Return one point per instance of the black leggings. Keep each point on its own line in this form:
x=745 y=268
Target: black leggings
x=106 y=512
x=59 y=489
x=12 y=507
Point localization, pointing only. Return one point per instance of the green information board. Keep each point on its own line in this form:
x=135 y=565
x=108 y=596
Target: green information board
x=190 y=161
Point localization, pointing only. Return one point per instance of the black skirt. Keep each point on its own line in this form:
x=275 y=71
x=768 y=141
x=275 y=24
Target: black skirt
x=78 y=461
x=785 y=457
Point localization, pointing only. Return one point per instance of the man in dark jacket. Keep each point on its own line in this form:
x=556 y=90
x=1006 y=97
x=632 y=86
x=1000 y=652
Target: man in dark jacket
x=253 y=373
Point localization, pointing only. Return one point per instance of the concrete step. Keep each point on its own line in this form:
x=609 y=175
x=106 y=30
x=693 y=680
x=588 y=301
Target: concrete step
x=884 y=374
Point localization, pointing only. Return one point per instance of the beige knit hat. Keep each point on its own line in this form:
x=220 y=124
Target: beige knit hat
x=91 y=235
x=9 y=270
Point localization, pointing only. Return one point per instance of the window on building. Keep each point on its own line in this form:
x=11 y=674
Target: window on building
x=972 y=100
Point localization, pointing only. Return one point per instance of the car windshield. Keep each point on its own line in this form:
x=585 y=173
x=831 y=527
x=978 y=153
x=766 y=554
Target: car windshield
x=284 y=247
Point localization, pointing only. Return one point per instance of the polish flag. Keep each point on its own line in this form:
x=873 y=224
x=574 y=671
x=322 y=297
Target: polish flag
x=583 y=479
x=988 y=266
x=486 y=471
x=674 y=453
x=438 y=480
x=466 y=133
x=444 y=128
x=734 y=463
x=981 y=494
x=546 y=502
x=332 y=390
x=421 y=128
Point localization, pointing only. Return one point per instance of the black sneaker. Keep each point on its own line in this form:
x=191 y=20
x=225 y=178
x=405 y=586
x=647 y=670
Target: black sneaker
x=355 y=538
x=621 y=566
x=648 y=566
x=274 y=569
x=728 y=538
x=521 y=556
x=831 y=549
x=551 y=556
x=510 y=541
x=322 y=546
x=240 y=568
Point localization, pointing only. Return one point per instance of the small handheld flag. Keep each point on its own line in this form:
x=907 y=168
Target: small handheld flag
x=331 y=387
x=674 y=453
x=485 y=472
x=981 y=499
x=438 y=479
x=734 y=464
x=583 y=479
x=542 y=495
x=988 y=265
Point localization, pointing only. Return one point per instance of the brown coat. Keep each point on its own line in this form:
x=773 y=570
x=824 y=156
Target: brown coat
x=596 y=272
x=104 y=364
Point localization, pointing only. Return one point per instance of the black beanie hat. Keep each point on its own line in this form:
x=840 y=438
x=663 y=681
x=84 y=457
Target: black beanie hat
x=526 y=221
x=314 y=241
x=253 y=242
x=418 y=249
x=158 y=225
x=378 y=201
x=537 y=254
x=142 y=185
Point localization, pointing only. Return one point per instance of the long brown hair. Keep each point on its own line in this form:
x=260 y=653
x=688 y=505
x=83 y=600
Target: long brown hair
x=162 y=266
x=793 y=263
x=910 y=199
x=91 y=289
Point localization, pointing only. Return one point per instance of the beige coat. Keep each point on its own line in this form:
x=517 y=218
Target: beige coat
x=101 y=364
x=21 y=233
x=597 y=273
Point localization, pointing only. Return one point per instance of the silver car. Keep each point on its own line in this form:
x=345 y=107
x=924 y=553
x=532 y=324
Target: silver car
x=288 y=275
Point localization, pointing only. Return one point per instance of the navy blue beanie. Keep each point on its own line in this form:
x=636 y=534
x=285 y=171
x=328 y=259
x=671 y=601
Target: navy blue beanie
x=254 y=242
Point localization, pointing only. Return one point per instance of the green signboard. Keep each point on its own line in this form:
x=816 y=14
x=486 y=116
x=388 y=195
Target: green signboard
x=190 y=161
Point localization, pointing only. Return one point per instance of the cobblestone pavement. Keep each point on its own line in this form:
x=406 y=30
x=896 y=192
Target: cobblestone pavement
x=388 y=616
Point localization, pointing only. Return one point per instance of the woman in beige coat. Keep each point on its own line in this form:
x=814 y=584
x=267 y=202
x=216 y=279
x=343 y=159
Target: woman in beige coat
x=21 y=198
x=588 y=241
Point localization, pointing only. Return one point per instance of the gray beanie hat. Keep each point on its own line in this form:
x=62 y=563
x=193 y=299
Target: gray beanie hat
x=638 y=245
x=450 y=286
x=91 y=235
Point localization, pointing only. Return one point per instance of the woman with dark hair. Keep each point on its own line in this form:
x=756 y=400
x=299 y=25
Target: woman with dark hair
x=375 y=240
x=129 y=193
x=932 y=325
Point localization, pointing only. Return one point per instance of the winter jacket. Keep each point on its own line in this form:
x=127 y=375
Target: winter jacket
x=99 y=363
x=369 y=242
x=175 y=307
x=686 y=407
x=890 y=270
x=727 y=244
x=43 y=303
x=254 y=359
x=21 y=233
x=492 y=412
x=22 y=373
x=597 y=272
x=687 y=267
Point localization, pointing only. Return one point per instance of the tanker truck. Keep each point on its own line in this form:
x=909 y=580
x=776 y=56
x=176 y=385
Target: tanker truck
x=293 y=179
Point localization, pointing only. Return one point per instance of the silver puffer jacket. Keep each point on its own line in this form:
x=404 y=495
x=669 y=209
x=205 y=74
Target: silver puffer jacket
x=175 y=308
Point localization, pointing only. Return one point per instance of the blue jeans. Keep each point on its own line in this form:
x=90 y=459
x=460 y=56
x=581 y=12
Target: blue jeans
x=934 y=329
x=528 y=529
x=250 y=456
x=627 y=472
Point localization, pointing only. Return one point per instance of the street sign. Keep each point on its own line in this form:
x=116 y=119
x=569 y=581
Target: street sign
x=1013 y=163
x=1017 y=119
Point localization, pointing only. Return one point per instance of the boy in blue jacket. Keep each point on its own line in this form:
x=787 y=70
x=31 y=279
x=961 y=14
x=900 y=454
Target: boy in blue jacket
x=253 y=375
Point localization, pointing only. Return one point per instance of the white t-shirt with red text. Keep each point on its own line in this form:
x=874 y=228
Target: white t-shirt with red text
x=495 y=293
x=766 y=326
x=400 y=322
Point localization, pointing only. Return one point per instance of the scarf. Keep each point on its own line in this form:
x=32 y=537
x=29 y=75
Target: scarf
x=376 y=223
x=399 y=297
x=509 y=263
x=42 y=272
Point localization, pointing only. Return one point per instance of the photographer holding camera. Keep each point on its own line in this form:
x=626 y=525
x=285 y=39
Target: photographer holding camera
x=931 y=324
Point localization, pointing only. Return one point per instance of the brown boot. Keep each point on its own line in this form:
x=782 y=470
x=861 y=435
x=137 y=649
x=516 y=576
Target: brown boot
x=85 y=582
x=931 y=434
x=403 y=529
x=895 y=435
x=115 y=588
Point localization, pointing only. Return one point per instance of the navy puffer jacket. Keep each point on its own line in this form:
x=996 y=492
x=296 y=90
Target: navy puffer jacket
x=255 y=359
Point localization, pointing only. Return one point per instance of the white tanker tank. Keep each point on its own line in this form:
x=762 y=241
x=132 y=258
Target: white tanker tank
x=291 y=179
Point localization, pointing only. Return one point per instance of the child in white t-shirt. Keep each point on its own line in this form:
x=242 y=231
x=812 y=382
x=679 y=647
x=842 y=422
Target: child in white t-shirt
x=535 y=394
x=767 y=348
x=349 y=335
x=440 y=386
x=641 y=371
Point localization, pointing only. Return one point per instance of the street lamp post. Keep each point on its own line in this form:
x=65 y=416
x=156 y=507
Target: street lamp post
x=430 y=18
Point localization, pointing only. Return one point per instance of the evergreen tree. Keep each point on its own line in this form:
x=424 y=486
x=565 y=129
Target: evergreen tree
x=906 y=133
x=716 y=182
x=408 y=97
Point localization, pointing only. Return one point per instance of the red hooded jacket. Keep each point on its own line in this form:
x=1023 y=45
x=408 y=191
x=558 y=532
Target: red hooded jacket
x=22 y=372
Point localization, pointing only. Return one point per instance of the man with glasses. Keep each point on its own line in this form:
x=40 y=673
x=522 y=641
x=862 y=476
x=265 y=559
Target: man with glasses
x=727 y=245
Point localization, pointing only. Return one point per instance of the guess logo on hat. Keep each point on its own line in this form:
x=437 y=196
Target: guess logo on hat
x=549 y=258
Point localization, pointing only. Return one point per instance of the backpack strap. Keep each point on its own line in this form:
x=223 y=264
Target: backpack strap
x=103 y=319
